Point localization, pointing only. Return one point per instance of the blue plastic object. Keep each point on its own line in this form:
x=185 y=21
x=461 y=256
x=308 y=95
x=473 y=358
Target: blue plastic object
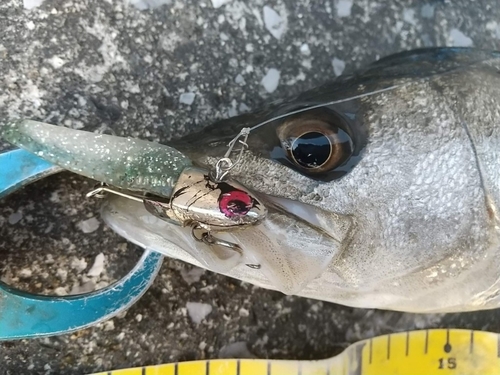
x=24 y=315
x=19 y=168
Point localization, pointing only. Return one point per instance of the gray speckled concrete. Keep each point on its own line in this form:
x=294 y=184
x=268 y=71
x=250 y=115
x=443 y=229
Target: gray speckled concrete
x=109 y=66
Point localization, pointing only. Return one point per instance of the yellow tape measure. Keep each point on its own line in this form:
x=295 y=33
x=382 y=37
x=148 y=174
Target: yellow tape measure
x=434 y=351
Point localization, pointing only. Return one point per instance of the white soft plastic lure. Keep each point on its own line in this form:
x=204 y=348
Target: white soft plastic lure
x=380 y=190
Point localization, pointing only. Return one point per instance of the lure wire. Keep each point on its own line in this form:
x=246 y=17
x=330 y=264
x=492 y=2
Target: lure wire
x=225 y=164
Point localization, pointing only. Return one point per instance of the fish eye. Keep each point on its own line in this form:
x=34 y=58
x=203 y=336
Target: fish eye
x=314 y=145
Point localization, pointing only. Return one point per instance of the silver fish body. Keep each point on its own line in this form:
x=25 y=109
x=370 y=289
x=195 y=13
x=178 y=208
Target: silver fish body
x=409 y=222
x=381 y=190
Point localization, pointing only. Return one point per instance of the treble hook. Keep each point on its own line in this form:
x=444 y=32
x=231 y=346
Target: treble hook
x=208 y=239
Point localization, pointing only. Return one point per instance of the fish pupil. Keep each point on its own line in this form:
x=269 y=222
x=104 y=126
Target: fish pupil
x=311 y=150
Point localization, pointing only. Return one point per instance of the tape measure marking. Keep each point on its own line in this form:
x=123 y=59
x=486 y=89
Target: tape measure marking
x=448 y=341
x=498 y=347
x=371 y=350
x=388 y=346
x=471 y=342
x=426 y=341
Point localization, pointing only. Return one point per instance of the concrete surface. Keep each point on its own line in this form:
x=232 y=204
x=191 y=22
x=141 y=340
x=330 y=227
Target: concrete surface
x=158 y=68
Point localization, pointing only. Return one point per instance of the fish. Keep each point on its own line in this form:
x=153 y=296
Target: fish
x=381 y=188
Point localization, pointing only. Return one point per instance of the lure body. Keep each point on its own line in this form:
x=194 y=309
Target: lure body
x=214 y=206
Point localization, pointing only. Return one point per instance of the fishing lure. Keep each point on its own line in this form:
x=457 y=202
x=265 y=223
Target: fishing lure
x=157 y=175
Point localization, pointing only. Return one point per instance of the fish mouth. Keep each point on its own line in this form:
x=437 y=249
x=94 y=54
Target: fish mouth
x=293 y=245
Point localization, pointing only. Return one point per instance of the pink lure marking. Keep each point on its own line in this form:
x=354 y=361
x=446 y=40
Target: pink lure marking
x=235 y=203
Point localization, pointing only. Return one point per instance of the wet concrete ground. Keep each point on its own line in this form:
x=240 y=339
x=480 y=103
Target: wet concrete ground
x=122 y=67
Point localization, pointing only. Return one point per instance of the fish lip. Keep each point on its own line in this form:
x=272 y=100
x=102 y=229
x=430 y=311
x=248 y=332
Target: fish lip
x=337 y=227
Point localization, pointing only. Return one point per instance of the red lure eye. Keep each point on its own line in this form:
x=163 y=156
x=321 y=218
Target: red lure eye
x=235 y=203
